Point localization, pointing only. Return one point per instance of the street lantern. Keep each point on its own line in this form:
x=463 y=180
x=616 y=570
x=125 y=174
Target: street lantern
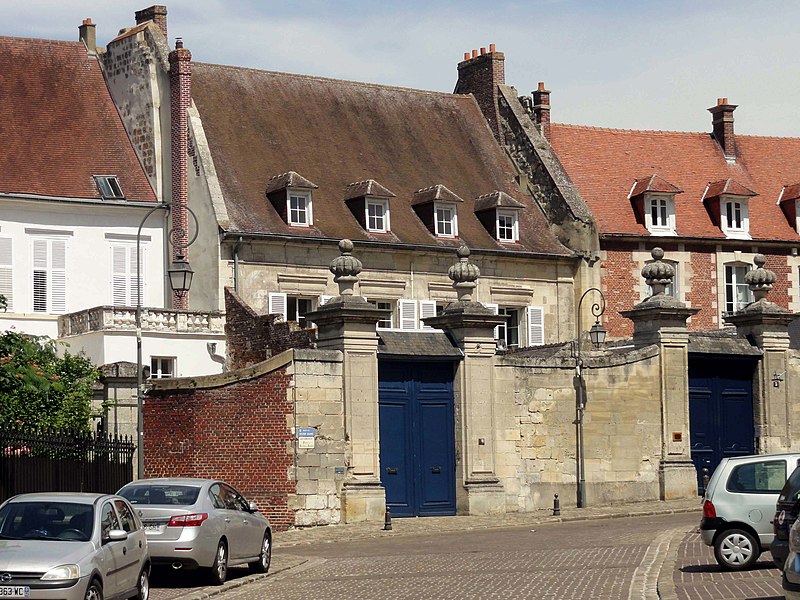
x=597 y=334
x=180 y=275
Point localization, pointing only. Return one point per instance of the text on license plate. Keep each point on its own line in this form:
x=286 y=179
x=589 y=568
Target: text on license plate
x=152 y=527
x=15 y=591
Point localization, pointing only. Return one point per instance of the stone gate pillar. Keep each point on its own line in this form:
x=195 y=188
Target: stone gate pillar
x=767 y=326
x=471 y=327
x=348 y=323
x=661 y=320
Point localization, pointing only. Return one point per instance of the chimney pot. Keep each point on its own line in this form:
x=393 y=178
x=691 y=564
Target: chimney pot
x=87 y=22
x=474 y=54
x=483 y=51
x=466 y=55
x=178 y=43
x=541 y=86
x=491 y=47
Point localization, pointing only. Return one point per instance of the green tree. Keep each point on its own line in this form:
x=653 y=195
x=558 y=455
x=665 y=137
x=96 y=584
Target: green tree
x=39 y=389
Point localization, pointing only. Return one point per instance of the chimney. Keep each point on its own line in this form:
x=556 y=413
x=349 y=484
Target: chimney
x=156 y=13
x=180 y=89
x=722 y=121
x=541 y=110
x=87 y=33
x=479 y=75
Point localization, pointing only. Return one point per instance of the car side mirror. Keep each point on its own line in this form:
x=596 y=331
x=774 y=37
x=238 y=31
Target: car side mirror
x=115 y=535
x=252 y=506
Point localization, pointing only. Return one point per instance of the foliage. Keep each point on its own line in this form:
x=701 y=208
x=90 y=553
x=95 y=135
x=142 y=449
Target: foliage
x=3 y=303
x=39 y=389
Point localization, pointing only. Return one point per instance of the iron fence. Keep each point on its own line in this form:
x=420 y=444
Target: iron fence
x=61 y=461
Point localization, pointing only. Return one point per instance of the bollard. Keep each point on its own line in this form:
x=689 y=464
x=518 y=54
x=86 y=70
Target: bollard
x=705 y=479
x=387 y=520
x=556 y=506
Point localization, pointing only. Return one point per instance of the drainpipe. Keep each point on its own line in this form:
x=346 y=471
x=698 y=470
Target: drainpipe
x=236 y=247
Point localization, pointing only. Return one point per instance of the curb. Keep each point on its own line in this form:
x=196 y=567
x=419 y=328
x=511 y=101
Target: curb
x=666 y=581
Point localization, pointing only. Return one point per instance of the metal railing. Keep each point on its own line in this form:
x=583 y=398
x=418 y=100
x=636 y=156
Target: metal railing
x=60 y=461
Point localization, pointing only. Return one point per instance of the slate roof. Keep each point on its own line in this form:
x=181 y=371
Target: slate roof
x=59 y=124
x=260 y=124
x=604 y=163
x=417 y=344
x=724 y=342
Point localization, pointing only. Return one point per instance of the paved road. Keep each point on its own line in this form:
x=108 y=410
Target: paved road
x=633 y=558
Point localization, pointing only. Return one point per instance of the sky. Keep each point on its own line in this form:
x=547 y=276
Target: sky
x=609 y=63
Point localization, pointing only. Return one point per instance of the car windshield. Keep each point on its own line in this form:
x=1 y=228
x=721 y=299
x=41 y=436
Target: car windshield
x=170 y=494
x=35 y=520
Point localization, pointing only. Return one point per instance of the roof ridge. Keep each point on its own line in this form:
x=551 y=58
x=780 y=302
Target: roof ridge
x=623 y=130
x=335 y=80
x=41 y=40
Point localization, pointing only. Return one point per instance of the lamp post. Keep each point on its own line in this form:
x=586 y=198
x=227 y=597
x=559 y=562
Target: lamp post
x=597 y=335
x=180 y=280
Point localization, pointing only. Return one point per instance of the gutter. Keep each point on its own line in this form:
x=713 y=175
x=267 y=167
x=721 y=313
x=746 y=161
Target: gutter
x=677 y=239
x=241 y=235
x=85 y=201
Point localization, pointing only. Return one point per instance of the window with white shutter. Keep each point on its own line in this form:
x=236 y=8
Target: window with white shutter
x=49 y=275
x=123 y=275
x=277 y=304
x=500 y=329
x=427 y=308
x=7 y=272
x=408 y=314
x=535 y=316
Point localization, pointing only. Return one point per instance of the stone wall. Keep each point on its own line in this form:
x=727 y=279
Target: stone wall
x=242 y=427
x=536 y=432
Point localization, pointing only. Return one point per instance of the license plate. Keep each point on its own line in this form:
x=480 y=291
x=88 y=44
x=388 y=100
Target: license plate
x=152 y=527
x=15 y=591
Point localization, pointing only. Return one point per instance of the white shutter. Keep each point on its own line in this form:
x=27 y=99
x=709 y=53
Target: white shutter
x=119 y=275
x=58 y=276
x=495 y=308
x=39 y=275
x=132 y=290
x=7 y=272
x=408 y=314
x=277 y=304
x=323 y=300
x=535 y=325
x=427 y=308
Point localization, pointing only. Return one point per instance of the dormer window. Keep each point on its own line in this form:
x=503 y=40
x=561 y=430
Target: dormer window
x=108 y=186
x=290 y=194
x=299 y=208
x=507 y=226
x=446 y=223
x=789 y=201
x=377 y=215
x=369 y=202
x=653 y=200
x=437 y=208
x=499 y=214
x=727 y=203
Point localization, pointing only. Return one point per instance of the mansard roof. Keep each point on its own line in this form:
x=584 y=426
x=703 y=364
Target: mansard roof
x=334 y=132
x=603 y=163
x=60 y=125
x=727 y=187
x=653 y=183
x=369 y=187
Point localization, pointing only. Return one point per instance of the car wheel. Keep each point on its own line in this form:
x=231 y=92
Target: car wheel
x=736 y=550
x=94 y=591
x=265 y=558
x=219 y=570
x=143 y=586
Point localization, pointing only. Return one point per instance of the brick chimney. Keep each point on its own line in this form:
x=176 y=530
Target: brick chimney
x=87 y=33
x=541 y=110
x=479 y=75
x=180 y=88
x=156 y=13
x=722 y=121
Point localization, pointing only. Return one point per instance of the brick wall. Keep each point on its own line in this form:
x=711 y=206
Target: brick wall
x=238 y=432
x=703 y=289
x=252 y=338
x=480 y=76
x=621 y=290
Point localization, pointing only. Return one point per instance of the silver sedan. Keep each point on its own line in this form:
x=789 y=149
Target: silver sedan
x=201 y=523
x=72 y=546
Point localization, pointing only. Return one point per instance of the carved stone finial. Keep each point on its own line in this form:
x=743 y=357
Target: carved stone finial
x=658 y=274
x=345 y=268
x=760 y=279
x=464 y=275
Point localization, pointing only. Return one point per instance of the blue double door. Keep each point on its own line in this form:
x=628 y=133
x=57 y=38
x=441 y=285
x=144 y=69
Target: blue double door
x=720 y=411
x=417 y=437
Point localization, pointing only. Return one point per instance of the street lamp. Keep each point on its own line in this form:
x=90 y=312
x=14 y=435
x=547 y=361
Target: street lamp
x=180 y=280
x=597 y=335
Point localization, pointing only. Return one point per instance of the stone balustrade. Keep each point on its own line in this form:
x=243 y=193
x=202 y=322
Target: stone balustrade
x=123 y=318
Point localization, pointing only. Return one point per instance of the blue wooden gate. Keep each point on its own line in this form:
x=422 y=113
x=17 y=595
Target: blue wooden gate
x=721 y=419
x=417 y=437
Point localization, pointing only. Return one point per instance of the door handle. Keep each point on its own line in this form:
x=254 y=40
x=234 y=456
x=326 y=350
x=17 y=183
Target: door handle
x=227 y=519
x=391 y=470
x=124 y=549
x=436 y=469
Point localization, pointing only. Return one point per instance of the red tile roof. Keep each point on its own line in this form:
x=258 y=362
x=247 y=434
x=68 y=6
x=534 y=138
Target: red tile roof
x=60 y=126
x=604 y=163
x=729 y=187
x=260 y=123
x=654 y=183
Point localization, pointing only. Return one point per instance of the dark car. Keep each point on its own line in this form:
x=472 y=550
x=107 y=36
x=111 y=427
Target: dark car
x=786 y=510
